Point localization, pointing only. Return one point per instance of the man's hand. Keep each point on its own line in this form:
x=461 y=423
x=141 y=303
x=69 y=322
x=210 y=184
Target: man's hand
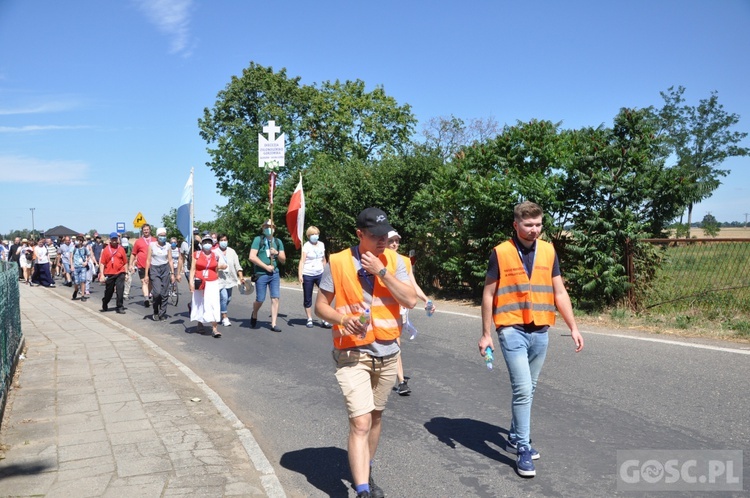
x=577 y=339
x=370 y=263
x=484 y=342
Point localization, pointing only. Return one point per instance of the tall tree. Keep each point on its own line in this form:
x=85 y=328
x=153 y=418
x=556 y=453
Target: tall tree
x=339 y=120
x=701 y=139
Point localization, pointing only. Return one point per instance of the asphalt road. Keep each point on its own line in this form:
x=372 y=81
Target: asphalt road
x=447 y=438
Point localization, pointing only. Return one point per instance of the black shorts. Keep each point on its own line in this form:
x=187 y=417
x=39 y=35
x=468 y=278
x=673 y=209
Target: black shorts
x=141 y=273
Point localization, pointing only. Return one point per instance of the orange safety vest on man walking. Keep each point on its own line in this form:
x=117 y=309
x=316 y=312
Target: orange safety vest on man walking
x=520 y=300
x=349 y=297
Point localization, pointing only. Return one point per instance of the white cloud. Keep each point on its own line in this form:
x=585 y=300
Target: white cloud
x=21 y=169
x=55 y=106
x=32 y=128
x=171 y=17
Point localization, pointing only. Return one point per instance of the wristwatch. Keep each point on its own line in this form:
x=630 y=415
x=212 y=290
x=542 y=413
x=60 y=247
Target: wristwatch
x=382 y=272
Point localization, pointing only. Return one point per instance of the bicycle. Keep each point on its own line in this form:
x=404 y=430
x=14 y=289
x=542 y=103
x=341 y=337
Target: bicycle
x=174 y=293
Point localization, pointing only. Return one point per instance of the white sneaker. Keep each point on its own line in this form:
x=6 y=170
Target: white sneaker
x=226 y=322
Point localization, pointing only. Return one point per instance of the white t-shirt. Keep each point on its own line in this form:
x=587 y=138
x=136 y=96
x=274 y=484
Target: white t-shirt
x=42 y=255
x=315 y=255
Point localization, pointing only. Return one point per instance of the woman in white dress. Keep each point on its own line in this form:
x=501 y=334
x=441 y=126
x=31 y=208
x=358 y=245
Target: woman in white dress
x=206 y=303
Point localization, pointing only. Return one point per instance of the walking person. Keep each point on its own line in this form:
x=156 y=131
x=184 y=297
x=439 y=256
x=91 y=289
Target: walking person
x=229 y=278
x=368 y=276
x=159 y=273
x=25 y=255
x=138 y=261
x=128 y=248
x=52 y=253
x=311 y=265
x=394 y=242
x=13 y=255
x=205 y=302
x=176 y=257
x=113 y=267
x=266 y=252
x=42 y=275
x=79 y=259
x=522 y=288
x=65 y=249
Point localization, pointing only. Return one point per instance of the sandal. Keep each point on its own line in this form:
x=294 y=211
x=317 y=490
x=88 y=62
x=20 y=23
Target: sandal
x=217 y=334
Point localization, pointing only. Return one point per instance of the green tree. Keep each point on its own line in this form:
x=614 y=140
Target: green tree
x=701 y=139
x=337 y=122
x=710 y=226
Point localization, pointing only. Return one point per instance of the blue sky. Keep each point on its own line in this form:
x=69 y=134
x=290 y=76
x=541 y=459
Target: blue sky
x=99 y=100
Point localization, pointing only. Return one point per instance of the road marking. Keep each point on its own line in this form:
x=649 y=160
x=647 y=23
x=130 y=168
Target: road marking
x=674 y=343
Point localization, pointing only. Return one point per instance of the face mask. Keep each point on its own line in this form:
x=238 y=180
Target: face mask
x=173 y=244
x=78 y=244
x=223 y=244
x=214 y=241
x=268 y=231
x=125 y=242
x=207 y=247
x=162 y=239
x=313 y=238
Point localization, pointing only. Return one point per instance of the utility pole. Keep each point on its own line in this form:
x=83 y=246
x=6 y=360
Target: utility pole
x=746 y=215
x=32 y=219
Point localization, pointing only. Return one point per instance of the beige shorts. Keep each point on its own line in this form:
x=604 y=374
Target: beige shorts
x=365 y=381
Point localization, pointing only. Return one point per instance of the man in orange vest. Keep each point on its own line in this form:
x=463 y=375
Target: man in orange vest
x=522 y=288
x=367 y=284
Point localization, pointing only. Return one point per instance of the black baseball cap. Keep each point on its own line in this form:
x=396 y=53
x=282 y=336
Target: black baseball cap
x=375 y=221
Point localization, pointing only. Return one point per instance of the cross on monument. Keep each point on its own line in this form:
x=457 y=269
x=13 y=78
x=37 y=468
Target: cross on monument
x=271 y=129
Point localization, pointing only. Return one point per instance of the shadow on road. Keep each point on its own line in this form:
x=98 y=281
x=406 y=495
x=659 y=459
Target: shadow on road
x=25 y=469
x=324 y=468
x=472 y=434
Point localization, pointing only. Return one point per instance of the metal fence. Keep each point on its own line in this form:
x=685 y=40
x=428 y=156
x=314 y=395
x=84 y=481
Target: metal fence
x=11 y=337
x=712 y=275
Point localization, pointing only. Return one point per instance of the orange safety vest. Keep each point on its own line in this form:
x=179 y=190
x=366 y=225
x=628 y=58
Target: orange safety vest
x=520 y=300
x=384 y=309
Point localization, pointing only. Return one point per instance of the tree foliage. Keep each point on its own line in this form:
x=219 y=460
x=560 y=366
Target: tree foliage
x=333 y=123
x=701 y=138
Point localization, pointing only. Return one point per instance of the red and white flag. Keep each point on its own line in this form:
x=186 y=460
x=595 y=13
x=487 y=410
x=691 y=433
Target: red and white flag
x=295 y=215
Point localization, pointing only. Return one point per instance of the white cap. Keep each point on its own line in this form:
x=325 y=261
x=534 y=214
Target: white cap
x=161 y=231
x=393 y=233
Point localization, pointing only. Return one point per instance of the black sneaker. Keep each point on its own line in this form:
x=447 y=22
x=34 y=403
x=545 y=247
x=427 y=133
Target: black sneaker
x=253 y=321
x=375 y=490
x=146 y=303
x=75 y=295
x=84 y=298
x=120 y=311
x=104 y=308
x=364 y=494
x=403 y=389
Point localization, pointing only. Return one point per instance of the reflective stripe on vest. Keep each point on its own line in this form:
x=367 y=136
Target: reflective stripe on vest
x=349 y=297
x=520 y=300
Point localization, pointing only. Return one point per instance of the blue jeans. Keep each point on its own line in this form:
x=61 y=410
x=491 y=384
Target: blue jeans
x=225 y=297
x=271 y=281
x=308 y=283
x=524 y=356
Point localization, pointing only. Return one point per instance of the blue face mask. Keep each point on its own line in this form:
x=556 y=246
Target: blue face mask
x=207 y=247
x=268 y=231
x=173 y=244
x=162 y=239
x=223 y=244
x=313 y=238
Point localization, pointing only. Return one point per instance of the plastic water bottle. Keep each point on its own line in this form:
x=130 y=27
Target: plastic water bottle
x=428 y=307
x=364 y=319
x=488 y=357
